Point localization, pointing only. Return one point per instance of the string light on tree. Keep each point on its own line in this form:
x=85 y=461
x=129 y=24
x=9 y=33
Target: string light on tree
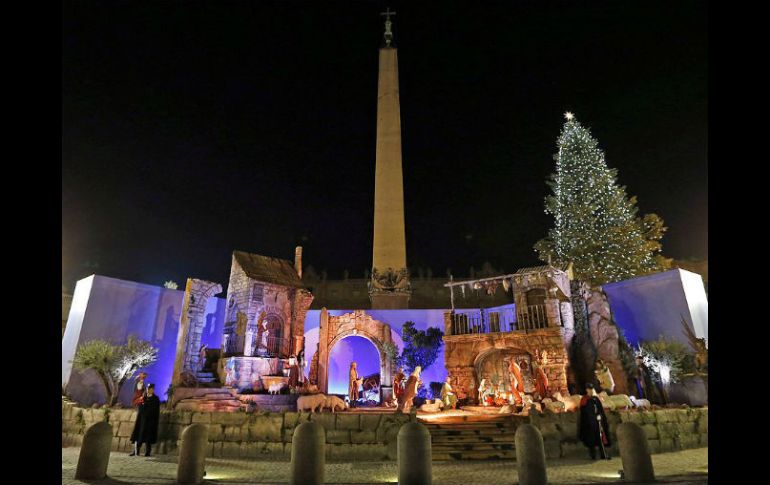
x=596 y=223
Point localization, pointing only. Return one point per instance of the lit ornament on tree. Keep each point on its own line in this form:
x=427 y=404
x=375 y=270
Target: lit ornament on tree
x=596 y=226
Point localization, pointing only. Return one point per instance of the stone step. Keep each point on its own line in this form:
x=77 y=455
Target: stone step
x=503 y=438
x=206 y=379
x=472 y=433
x=470 y=423
x=474 y=455
x=214 y=396
x=480 y=425
x=447 y=448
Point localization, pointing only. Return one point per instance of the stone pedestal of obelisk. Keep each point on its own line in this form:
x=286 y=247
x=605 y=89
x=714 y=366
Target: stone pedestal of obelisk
x=389 y=287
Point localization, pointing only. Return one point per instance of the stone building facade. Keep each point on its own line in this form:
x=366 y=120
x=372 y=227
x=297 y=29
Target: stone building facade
x=477 y=348
x=264 y=318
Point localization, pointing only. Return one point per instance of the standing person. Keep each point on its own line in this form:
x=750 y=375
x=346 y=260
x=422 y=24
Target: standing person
x=541 y=380
x=293 y=372
x=353 y=383
x=301 y=365
x=202 y=358
x=262 y=349
x=644 y=386
x=398 y=384
x=571 y=380
x=410 y=390
x=139 y=389
x=517 y=381
x=604 y=377
x=146 y=425
x=482 y=392
x=448 y=395
x=593 y=429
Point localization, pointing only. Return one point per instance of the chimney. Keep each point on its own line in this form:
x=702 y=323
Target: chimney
x=298 y=260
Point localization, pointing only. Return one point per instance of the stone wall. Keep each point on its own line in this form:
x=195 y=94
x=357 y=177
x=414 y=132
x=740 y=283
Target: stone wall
x=259 y=435
x=369 y=437
x=666 y=430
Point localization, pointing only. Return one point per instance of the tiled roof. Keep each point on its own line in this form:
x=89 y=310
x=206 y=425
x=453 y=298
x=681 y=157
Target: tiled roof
x=541 y=269
x=269 y=270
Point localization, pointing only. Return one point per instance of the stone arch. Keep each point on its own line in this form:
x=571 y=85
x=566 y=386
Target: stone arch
x=333 y=329
x=196 y=295
x=487 y=360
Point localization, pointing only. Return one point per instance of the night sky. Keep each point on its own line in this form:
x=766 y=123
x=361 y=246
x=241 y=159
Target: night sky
x=191 y=129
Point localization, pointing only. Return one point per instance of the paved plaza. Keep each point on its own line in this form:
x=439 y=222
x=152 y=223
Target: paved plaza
x=682 y=467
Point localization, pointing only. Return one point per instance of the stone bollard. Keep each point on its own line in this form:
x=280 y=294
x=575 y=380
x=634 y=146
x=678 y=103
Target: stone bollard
x=308 y=454
x=95 y=452
x=635 y=453
x=414 y=455
x=530 y=456
x=192 y=454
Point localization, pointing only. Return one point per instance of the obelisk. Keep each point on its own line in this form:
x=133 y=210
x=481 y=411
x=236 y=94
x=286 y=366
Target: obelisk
x=389 y=287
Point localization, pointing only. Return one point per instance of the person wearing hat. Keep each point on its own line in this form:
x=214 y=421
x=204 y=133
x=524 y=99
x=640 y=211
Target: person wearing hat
x=139 y=389
x=593 y=429
x=146 y=425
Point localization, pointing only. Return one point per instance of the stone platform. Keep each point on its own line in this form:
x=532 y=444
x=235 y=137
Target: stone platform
x=274 y=403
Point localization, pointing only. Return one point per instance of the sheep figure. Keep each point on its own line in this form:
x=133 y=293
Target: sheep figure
x=334 y=402
x=553 y=406
x=432 y=407
x=620 y=401
x=571 y=403
x=276 y=388
x=312 y=402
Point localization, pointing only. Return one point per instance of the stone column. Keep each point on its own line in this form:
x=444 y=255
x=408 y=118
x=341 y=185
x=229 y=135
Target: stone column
x=448 y=317
x=635 y=453
x=308 y=454
x=323 y=350
x=197 y=292
x=94 y=452
x=415 y=459
x=389 y=241
x=553 y=312
x=192 y=455
x=568 y=319
x=530 y=456
x=303 y=301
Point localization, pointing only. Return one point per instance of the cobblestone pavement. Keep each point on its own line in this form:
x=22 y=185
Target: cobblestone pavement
x=682 y=467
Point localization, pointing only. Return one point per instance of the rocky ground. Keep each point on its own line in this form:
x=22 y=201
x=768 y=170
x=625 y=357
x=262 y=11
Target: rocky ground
x=681 y=467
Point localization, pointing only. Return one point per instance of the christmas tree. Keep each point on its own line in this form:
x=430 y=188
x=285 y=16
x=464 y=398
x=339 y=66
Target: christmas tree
x=596 y=223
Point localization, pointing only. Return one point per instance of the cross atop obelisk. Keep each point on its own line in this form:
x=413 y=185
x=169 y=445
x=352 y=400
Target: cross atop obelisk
x=388 y=33
x=389 y=287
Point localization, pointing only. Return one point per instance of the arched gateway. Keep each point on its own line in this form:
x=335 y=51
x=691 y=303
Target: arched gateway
x=333 y=329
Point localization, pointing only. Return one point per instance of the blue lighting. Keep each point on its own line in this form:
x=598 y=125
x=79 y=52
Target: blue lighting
x=356 y=349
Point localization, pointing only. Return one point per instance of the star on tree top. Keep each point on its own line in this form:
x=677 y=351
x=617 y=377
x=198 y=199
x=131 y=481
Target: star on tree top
x=569 y=115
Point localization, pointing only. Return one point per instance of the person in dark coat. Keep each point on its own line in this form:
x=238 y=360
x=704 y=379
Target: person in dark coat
x=593 y=429
x=146 y=426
